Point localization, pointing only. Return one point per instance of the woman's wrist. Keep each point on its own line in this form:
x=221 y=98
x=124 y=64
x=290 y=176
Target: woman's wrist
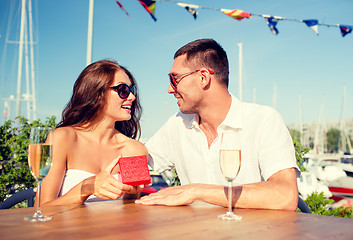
x=87 y=188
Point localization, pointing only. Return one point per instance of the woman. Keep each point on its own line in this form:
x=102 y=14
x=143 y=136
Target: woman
x=99 y=125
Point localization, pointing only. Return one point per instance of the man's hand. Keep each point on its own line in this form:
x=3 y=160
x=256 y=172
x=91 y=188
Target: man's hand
x=172 y=196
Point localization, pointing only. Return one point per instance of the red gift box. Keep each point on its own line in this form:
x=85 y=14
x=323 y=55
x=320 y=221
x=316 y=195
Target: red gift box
x=134 y=170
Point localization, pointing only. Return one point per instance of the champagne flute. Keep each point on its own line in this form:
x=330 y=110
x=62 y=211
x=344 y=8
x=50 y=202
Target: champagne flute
x=229 y=161
x=39 y=160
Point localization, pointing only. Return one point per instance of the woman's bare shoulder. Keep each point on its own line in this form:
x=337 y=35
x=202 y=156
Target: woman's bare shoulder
x=65 y=134
x=134 y=147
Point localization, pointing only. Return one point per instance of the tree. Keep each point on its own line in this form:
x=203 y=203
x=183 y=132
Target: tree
x=333 y=137
x=14 y=171
x=300 y=151
x=295 y=134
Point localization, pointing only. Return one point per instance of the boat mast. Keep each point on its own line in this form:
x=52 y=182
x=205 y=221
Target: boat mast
x=34 y=106
x=274 y=97
x=20 y=57
x=301 y=121
x=319 y=133
x=254 y=95
x=346 y=145
x=27 y=95
x=90 y=32
x=240 y=45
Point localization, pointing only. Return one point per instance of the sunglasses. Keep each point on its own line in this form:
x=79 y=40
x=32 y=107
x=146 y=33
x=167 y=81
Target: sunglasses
x=124 y=90
x=173 y=78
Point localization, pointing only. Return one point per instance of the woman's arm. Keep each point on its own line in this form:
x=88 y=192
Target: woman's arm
x=103 y=186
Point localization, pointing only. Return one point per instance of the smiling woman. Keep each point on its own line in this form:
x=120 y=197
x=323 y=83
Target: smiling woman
x=99 y=125
x=89 y=96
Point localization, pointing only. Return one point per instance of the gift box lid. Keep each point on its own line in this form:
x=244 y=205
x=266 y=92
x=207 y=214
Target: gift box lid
x=134 y=170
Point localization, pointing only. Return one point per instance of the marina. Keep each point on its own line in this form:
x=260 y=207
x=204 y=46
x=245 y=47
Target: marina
x=325 y=173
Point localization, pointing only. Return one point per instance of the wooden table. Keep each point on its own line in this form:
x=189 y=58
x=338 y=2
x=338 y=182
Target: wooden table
x=127 y=220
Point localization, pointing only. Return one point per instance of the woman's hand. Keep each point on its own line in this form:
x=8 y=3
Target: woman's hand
x=108 y=187
x=135 y=192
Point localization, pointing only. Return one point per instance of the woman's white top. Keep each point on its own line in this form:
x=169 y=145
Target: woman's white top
x=75 y=176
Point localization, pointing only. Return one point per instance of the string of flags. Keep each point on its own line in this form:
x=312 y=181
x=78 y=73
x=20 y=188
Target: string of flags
x=239 y=15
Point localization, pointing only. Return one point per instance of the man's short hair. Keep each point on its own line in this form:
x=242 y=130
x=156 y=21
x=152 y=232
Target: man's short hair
x=209 y=54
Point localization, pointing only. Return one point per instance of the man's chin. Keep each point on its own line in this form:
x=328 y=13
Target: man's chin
x=185 y=111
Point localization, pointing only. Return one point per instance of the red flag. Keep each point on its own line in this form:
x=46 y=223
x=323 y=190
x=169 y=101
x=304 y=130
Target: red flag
x=236 y=14
x=122 y=8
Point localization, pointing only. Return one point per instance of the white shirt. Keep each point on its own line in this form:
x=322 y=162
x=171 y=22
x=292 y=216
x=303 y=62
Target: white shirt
x=267 y=146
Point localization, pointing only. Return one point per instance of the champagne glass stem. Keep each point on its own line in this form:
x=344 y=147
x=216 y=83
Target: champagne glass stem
x=230 y=195
x=38 y=212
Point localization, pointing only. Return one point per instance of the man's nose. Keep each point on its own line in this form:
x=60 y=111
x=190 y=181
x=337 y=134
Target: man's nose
x=171 y=90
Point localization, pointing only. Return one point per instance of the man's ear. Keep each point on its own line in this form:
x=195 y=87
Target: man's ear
x=205 y=78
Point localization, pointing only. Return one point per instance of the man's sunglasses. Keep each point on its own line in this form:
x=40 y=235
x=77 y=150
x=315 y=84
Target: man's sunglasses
x=173 y=78
x=124 y=90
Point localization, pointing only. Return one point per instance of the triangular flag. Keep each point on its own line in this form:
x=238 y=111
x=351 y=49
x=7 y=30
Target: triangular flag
x=190 y=8
x=313 y=24
x=272 y=22
x=345 y=29
x=122 y=8
x=149 y=7
x=236 y=14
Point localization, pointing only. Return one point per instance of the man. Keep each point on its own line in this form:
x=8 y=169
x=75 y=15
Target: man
x=190 y=140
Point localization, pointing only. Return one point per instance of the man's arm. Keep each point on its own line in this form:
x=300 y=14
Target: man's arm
x=280 y=191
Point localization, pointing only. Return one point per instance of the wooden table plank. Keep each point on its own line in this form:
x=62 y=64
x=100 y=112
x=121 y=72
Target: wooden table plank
x=116 y=220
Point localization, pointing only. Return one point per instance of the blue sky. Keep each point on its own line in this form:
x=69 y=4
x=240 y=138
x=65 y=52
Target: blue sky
x=296 y=61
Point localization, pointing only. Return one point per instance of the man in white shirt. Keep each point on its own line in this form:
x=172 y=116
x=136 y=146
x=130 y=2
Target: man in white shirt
x=190 y=140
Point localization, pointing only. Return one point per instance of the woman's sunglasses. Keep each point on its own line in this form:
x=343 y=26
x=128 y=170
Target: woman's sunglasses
x=124 y=90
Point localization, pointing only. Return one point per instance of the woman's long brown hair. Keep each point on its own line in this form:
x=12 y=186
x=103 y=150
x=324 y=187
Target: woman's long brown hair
x=89 y=99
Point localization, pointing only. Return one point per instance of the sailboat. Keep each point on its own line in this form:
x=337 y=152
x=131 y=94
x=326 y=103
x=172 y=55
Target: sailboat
x=342 y=187
x=347 y=164
x=327 y=169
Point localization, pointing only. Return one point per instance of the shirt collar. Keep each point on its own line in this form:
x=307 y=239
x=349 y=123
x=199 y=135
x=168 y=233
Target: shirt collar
x=232 y=120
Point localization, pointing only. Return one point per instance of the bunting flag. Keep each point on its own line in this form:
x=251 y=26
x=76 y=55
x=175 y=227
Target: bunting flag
x=345 y=29
x=190 y=8
x=236 y=14
x=149 y=7
x=122 y=8
x=272 y=22
x=313 y=24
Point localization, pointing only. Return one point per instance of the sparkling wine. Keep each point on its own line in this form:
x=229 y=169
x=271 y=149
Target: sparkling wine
x=39 y=160
x=230 y=161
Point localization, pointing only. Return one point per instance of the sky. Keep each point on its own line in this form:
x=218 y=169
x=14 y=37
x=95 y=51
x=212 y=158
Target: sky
x=278 y=70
